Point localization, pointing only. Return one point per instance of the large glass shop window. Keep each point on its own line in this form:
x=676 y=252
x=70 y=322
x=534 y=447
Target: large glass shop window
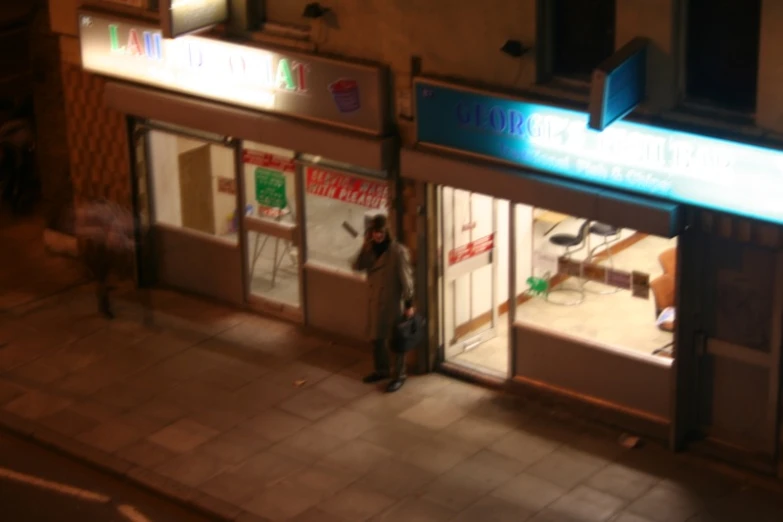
x=193 y=184
x=610 y=285
x=338 y=209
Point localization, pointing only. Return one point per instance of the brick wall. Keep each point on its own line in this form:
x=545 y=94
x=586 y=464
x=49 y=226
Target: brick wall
x=97 y=140
x=49 y=104
x=409 y=217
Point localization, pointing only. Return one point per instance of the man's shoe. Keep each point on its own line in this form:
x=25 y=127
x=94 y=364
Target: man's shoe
x=374 y=377
x=395 y=385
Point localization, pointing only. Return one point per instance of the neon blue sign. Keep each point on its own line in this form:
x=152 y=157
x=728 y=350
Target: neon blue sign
x=687 y=168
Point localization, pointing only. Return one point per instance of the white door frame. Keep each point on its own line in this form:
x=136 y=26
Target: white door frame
x=451 y=272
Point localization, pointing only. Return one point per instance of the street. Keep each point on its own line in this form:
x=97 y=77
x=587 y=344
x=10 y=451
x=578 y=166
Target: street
x=37 y=485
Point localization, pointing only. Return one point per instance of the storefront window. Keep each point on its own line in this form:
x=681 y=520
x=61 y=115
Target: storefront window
x=609 y=285
x=271 y=219
x=193 y=184
x=338 y=208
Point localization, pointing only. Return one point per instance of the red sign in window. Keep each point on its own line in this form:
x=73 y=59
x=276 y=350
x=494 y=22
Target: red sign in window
x=268 y=161
x=472 y=249
x=335 y=185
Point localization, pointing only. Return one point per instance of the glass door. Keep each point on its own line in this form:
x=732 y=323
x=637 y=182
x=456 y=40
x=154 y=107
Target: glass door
x=470 y=267
x=270 y=223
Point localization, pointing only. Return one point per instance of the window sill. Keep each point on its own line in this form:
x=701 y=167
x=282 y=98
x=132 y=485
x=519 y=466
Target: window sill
x=701 y=115
x=706 y=110
x=295 y=32
x=612 y=349
x=284 y=36
x=330 y=269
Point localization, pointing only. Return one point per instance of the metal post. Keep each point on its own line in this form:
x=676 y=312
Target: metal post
x=494 y=286
x=239 y=182
x=512 y=285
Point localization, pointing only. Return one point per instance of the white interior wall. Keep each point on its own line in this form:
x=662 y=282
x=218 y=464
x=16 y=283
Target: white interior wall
x=222 y=166
x=250 y=187
x=503 y=250
x=473 y=293
x=164 y=150
x=481 y=280
x=164 y=170
x=524 y=245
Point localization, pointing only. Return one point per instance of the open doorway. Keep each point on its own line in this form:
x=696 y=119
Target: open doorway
x=474 y=249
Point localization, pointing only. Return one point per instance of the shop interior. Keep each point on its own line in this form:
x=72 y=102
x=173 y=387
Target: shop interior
x=195 y=188
x=185 y=176
x=612 y=286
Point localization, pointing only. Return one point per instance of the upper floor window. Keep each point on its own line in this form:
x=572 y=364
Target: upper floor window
x=287 y=12
x=583 y=33
x=722 y=49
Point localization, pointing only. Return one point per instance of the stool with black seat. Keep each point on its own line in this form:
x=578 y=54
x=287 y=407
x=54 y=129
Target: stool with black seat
x=573 y=243
x=610 y=235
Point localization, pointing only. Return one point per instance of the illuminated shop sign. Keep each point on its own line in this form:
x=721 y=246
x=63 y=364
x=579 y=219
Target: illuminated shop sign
x=688 y=168
x=179 y=17
x=300 y=85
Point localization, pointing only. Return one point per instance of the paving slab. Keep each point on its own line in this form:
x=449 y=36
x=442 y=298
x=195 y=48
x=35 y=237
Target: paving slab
x=247 y=418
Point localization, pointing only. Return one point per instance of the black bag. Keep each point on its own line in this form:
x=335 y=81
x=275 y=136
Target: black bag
x=409 y=333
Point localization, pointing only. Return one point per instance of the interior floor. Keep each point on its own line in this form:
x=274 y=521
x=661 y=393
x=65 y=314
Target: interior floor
x=615 y=319
x=490 y=356
x=280 y=285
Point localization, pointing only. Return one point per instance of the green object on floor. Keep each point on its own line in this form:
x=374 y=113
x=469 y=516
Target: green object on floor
x=538 y=285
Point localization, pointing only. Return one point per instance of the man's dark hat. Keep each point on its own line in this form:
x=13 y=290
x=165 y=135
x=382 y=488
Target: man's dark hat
x=378 y=223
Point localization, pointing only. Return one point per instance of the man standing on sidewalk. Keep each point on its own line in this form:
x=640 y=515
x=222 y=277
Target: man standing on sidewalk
x=390 y=279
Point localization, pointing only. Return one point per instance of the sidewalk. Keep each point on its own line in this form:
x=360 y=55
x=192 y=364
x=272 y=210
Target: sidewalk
x=27 y=270
x=247 y=418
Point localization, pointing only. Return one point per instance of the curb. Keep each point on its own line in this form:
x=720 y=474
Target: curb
x=185 y=496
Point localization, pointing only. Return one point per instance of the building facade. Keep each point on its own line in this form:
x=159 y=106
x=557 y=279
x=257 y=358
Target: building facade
x=636 y=271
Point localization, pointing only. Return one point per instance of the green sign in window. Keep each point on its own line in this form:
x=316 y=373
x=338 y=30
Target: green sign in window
x=270 y=188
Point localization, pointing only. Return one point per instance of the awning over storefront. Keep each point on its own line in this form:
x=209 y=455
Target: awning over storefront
x=337 y=145
x=440 y=167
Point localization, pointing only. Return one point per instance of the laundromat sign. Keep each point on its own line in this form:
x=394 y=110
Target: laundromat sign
x=305 y=86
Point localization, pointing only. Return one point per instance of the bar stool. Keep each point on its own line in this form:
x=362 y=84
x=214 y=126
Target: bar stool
x=573 y=243
x=610 y=235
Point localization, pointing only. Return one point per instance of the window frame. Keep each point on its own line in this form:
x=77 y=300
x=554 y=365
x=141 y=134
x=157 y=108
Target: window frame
x=547 y=44
x=701 y=104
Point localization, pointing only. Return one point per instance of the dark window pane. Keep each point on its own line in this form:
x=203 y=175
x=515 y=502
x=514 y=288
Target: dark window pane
x=583 y=35
x=722 y=52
